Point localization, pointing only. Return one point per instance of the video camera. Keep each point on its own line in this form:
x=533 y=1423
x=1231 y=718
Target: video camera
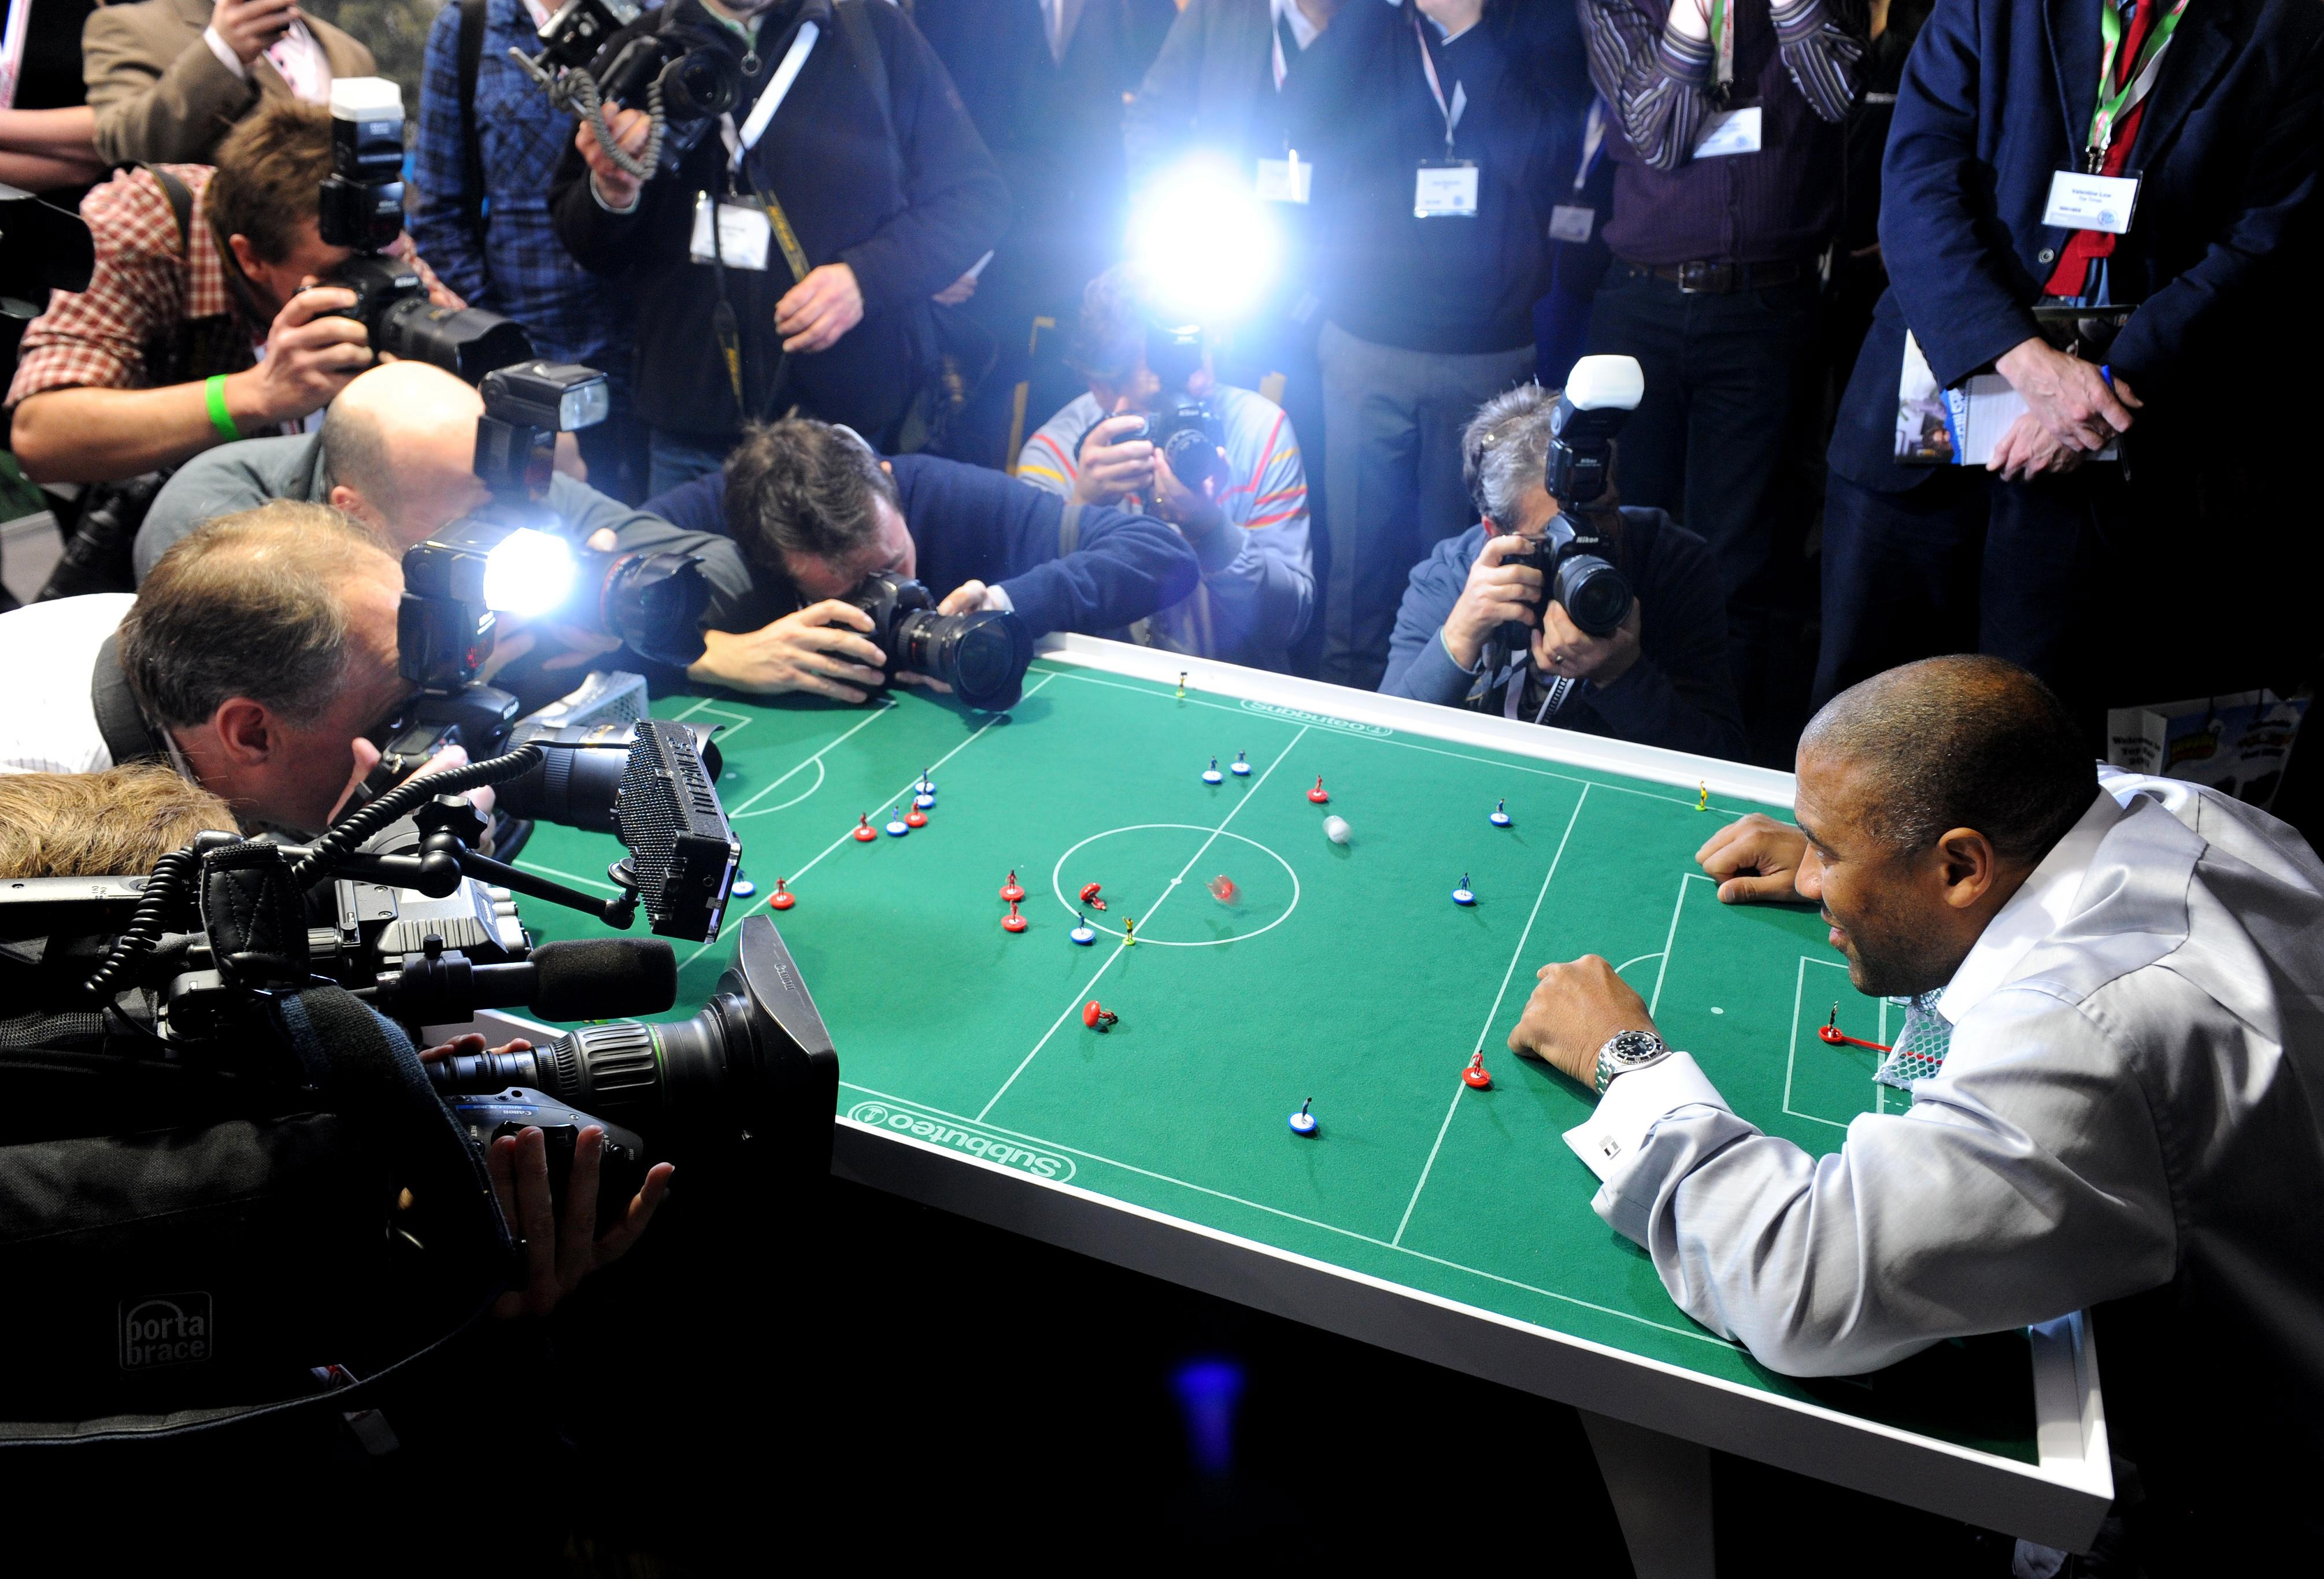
x=684 y=80
x=1598 y=397
x=458 y=583
x=362 y=207
x=396 y=906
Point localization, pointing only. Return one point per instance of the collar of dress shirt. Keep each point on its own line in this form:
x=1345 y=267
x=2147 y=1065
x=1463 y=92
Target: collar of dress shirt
x=2035 y=911
x=1304 y=33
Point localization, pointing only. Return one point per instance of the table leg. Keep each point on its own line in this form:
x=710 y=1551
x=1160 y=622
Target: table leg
x=1661 y=1490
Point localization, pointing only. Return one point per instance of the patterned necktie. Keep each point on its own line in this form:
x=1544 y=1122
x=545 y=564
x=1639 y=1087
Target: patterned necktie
x=1919 y=1050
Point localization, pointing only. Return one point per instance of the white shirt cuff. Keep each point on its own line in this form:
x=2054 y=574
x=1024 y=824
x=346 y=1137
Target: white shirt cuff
x=224 y=52
x=1633 y=1105
x=996 y=598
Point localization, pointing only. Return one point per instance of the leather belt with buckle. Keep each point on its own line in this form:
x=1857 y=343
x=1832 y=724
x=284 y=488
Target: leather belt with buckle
x=1704 y=278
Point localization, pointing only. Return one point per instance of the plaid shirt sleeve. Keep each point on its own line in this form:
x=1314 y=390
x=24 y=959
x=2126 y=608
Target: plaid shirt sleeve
x=98 y=338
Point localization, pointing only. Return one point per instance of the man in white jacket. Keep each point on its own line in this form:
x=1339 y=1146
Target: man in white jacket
x=2115 y=1057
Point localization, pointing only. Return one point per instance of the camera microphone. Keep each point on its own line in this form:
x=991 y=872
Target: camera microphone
x=596 y=979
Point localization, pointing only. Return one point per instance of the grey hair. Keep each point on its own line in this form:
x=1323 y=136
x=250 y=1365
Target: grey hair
x=1505 y=451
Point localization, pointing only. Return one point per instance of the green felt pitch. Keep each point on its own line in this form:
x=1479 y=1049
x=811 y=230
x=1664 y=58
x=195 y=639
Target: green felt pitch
x=1343 y=973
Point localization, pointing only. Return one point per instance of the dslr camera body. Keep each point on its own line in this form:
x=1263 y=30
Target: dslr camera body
x=1572 y=553
x=1187 y=431
x=983 y=655
x=682 y=79
x=362 y=207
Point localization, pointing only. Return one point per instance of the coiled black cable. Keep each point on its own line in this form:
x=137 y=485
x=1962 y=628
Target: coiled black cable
x=171 y=882
x=351 y=831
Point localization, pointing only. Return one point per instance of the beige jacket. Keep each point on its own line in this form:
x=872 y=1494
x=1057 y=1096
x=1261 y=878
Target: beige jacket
x=158 y=92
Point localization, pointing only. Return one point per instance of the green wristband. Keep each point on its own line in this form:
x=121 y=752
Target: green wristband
x=220 y=417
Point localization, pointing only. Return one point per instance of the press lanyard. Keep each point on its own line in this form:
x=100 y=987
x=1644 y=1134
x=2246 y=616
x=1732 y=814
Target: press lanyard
x=1723 y=44
x=755 y=127
x=1593 y=137
x=12 y=50
x=2110 y=111
x=1460 y=104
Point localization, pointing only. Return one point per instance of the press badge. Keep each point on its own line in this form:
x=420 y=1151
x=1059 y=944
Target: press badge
x=1570 y=222
x=1448 y=190
x=1730 y=132
x=1286 y=180
x=2080 y=202
x=744 y=233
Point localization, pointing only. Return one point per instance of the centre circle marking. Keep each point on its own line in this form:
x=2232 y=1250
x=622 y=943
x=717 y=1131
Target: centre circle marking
x=1057 y=886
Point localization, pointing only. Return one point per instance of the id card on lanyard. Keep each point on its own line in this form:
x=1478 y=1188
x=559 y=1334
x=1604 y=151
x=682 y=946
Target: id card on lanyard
x=1726 y=131
x=1573 y=221
x=2089 y=199
x=750 y=226
x=1446 y=187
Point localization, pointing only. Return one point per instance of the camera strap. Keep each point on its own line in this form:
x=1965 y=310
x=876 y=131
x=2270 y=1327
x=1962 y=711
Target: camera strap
x=129 y=735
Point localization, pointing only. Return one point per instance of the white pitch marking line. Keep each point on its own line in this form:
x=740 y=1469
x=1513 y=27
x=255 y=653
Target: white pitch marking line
x=1121 y=948
x=568 y=876
x=1799 y=991
x=816 y=759
x=1641 y=960
x=794 y=800
x=1671 y=940
x=1696 y=1333
x=1491 y=1015
x=842 y=839
x=1432 y=750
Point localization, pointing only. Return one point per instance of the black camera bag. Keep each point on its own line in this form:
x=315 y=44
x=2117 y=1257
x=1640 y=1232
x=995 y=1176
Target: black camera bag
x=161 y=1279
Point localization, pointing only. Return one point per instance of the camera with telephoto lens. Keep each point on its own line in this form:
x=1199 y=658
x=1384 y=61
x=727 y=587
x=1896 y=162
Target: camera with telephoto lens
x=362 y=207
x=1572 y=552
x=1187 y=431
x=982 y=656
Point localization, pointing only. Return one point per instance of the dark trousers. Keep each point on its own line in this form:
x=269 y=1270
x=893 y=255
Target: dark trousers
x=1725 y=442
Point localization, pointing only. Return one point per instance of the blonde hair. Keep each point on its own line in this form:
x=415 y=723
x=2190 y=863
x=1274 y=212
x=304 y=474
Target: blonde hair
x=100 y=824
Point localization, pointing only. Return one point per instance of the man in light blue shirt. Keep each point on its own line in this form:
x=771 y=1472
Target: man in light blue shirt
x=2115 y=1057
x=1249 y=531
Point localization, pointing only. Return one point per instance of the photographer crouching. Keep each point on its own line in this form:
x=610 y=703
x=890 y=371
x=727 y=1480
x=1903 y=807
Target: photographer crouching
x=1606 y=620
x=826 y=534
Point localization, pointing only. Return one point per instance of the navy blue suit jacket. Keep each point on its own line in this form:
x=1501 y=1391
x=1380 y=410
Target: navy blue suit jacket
x=1996 y=97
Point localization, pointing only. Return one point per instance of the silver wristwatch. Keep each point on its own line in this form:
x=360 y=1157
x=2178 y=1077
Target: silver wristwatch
x=1626 y=1050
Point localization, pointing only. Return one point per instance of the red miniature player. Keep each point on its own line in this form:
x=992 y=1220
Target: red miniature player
x=1090 y=898
x=783 y=898
x=1319 y=794
x=1012 y=890
x=1223 y=889
x=1098 y=1018
x=1830 y=1031
x=1478 y=1077
x=863 y=832
x=1013 y=920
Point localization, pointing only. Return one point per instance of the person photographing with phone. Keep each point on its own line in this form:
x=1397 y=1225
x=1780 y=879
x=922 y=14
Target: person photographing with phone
x=1562 y=607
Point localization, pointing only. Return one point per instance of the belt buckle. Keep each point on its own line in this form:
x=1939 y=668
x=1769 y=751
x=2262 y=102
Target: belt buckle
x=1701 y=279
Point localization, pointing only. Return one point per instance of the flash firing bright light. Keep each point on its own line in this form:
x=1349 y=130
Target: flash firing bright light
x=529 y=572
x=1205 y=241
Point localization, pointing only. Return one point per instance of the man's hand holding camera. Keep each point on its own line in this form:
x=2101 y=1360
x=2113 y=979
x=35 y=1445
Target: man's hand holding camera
x=558 y=1254
x=311 y=353
x=1564 y=648
x=1195 y=514
x=251 y=27
x=820 y=650
x=616 y=187
x=1112 y=463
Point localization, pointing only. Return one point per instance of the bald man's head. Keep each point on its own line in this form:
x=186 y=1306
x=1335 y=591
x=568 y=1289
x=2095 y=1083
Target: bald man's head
x=399 y=448
x=1963 y=741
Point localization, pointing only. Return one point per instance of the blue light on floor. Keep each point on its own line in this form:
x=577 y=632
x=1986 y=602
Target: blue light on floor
x=1208 y=1391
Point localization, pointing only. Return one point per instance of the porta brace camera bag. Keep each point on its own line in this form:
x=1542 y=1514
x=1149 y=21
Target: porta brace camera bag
x=167 y=1280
